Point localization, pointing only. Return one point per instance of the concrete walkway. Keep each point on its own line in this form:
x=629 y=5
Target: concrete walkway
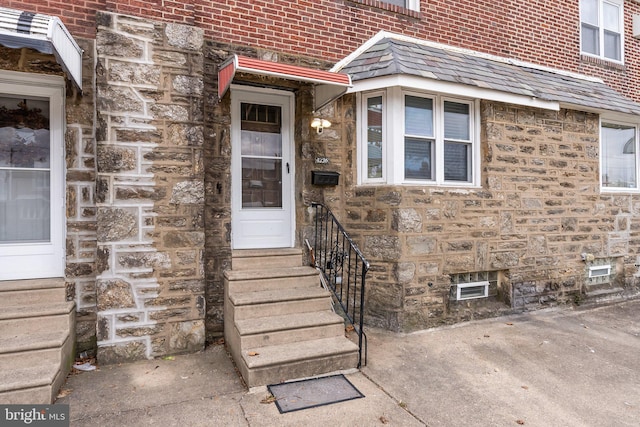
x=559 y=367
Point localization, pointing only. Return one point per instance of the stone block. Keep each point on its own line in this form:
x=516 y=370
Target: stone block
x=133 y=260
x=119 y=99
x=404 y=272
x=134 y=73
x=382 y=247
x=114 y=294
x=188 y=192
x=184 y=36
x=111 y=158
x=122 y=352
x=117 y=224
x=186 y=336
x=188 y=85
x=183 y=239
x=407 y=220
x=421 y=245
x=109 y=43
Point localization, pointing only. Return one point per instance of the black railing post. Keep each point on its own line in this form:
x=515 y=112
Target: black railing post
x=334 y=259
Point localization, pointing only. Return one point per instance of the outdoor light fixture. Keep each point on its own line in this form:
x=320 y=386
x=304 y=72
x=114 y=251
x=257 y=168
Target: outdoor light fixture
x=319 y=124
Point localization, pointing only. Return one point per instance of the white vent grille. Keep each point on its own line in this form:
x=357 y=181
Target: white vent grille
x=472 y=290
x=599 y=270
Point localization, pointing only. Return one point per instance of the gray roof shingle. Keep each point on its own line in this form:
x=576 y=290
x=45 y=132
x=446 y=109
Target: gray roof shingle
x=391 y=56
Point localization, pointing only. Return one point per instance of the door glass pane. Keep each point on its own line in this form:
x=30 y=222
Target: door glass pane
x=418 y=158
x=261 y=153
x=24 y=170
x=24 y=206
x=374 y=137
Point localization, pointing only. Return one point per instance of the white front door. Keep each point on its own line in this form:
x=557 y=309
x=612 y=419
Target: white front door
x=262 y=169
x=31 y=176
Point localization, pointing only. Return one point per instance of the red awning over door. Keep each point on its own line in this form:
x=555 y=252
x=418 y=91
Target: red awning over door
x=328 y=85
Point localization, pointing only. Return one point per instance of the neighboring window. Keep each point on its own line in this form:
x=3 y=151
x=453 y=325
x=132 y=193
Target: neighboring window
x=432 y=138
x=407 y=4
x=619 y=146
x=602 y=28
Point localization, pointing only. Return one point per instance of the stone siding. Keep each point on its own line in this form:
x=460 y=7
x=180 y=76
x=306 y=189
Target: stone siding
x=150 y=189
x=538 y=210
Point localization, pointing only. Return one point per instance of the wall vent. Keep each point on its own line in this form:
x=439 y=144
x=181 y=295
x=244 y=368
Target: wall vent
x=599 y=270
x=472 y=290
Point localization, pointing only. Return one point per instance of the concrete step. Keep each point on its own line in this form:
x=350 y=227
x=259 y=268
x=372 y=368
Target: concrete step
x=28 y=369
x=604 y=295
x=275 y=364
x=271 y=279
x=25 y=285
x=34 y=377
x=246 y=305
x=32 y=296
x=37 y=337
x=275 y=330
x=32 y=325
x=35 y=310
x=255 y=259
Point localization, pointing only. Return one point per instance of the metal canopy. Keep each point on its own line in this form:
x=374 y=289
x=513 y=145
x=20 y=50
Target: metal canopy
x=328 y=85
x=44 y=33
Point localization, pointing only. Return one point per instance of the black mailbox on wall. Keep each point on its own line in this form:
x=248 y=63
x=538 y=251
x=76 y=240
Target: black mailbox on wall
x=324 y=178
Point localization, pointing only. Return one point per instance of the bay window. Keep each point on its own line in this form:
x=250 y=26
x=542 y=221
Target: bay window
x=416 y=138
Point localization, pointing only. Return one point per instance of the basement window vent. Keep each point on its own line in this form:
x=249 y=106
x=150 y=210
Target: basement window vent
x=465 y=286
x=472 y=290
x=599 y=270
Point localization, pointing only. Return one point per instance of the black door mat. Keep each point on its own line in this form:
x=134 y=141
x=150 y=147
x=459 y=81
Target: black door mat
x=313 y=392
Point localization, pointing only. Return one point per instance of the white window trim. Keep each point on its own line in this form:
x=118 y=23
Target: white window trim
x=604 y=189
x=620 y=4
x=393 y=138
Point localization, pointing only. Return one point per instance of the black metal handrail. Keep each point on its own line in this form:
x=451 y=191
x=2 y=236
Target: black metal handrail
x=344 y=269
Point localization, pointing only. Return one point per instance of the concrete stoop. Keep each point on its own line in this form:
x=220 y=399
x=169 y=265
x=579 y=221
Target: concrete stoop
x=37 y=336
x=279 y=323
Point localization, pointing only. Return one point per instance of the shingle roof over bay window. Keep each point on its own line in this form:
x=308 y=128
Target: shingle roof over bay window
x=390 y=54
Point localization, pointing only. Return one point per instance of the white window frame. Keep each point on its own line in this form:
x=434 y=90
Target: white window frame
x=408 y=4
x=363 y=171
x=601 y=55
x=393 y=135
x=604 y=188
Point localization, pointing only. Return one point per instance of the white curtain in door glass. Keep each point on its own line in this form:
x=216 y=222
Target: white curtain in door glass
x=24 y=170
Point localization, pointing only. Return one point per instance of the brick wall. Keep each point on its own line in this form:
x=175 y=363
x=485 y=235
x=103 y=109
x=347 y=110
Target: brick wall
x=539 y=31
